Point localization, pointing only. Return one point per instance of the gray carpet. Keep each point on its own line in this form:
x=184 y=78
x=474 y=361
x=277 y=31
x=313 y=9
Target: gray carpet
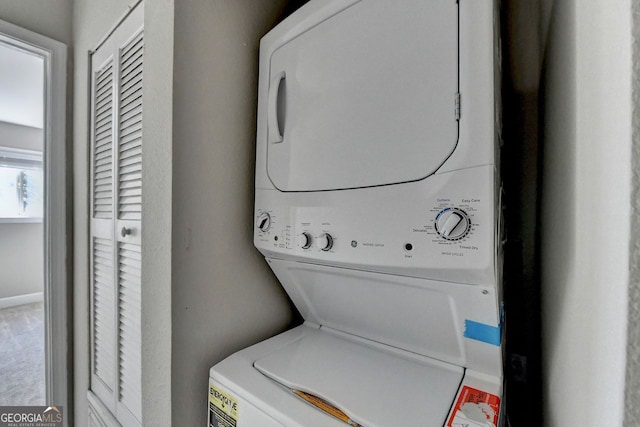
x=22 y=355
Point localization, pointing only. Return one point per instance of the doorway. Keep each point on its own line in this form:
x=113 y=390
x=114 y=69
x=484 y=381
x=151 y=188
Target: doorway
x=22 y=379
x=33 y=158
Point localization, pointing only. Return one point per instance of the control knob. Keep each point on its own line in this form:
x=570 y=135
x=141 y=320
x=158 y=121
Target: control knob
x=305 y=240
x=453 y=223
x=264 y=222
x=325 y=241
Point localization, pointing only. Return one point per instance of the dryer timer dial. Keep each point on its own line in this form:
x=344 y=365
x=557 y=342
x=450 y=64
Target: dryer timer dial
x=305 y=240
x=452 y=223
x=325 y=242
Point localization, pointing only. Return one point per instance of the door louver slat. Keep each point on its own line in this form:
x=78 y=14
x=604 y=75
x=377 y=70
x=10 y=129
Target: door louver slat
x=102 y=111
x=103 y=155
x=103 y=311
x=134 y=49
x=134 y=88
x=132 y=74
x=129 y=264
x=103 y=148
x=130 y=127
x=126 y=141
x=132 y=134
x=133 y=152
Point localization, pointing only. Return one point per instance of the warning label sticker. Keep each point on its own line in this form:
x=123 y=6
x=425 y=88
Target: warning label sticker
x=475 y=408
x=223 y=408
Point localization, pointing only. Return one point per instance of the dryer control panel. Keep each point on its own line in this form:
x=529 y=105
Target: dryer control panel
x=439 y=228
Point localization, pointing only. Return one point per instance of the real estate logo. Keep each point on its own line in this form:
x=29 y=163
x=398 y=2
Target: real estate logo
x=31 y=416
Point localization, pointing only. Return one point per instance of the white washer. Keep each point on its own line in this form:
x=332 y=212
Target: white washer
x=347 y=372
x=377 y=207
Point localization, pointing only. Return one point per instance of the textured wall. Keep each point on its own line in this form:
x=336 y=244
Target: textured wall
x=21 y=249
x=21 y=259
x=18 y=136
x=586 y=183
x=156 y=212
x=632 y=400
x=224 y=297
x=51 y=18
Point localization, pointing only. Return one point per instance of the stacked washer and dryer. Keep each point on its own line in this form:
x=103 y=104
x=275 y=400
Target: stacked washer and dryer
x=378 y=208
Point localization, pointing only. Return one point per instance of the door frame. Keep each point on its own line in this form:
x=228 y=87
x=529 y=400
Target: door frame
x=57 y=295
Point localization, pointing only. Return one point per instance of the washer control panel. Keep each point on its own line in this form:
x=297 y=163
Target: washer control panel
x=448 y=229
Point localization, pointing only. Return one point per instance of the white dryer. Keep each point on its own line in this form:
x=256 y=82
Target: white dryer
x=377 y=207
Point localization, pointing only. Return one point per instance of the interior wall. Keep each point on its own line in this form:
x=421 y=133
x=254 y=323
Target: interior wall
x=224 y=295
x=18 y=136
x=51 y=18
x=585 y=212
x=632 y=393
x=21 y=259
x=21 y=244
x=158 y=140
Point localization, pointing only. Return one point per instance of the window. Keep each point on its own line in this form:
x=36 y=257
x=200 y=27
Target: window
x=21 y=185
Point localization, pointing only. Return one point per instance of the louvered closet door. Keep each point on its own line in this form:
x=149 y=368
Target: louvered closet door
x=129 y=225
x=103 y=286
x=116 y=220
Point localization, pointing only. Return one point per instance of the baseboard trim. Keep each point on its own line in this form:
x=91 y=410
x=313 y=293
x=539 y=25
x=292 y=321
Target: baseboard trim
x=20 y=300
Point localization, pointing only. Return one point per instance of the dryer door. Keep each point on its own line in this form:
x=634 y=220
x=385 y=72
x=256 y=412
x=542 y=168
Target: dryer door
x=365 y=98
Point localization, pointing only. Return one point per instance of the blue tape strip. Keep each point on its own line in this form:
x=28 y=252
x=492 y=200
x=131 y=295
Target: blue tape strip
x=483 y=332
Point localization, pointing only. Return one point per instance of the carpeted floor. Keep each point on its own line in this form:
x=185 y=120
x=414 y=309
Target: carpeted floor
x=22 y=355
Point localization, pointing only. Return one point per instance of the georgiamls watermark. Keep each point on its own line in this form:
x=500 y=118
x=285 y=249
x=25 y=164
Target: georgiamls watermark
x=31 y=416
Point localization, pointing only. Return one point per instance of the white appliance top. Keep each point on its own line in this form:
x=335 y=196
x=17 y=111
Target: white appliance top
x=356 y=95
x=374 y=385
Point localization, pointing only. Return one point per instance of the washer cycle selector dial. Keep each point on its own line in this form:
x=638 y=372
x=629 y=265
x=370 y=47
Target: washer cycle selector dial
x=325 y=241
x=305 y=240
x=453 y=223
x=264 y=222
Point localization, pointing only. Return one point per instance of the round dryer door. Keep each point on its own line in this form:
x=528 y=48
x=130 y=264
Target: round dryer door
x=365 y=97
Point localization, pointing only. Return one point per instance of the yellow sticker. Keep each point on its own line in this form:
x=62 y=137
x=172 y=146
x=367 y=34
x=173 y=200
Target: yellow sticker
x=223 y=407
x=326 y=407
